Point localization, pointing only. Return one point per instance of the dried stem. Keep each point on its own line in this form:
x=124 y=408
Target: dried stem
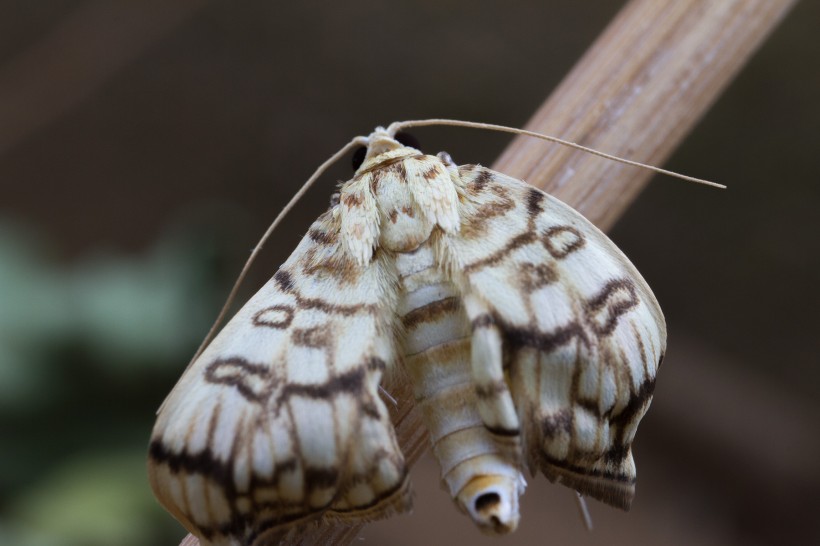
x=636 y=93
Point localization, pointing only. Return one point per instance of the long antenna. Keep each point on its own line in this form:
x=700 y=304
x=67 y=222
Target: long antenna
x=392 y=130
x=399 y=125
x=279 y=217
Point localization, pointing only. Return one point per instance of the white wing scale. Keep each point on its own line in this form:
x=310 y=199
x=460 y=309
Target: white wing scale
x=279 y=420
x=581 y=334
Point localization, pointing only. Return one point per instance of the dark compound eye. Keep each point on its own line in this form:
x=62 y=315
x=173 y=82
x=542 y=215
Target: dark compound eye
x=335 y=198
x=405 y=139
x=408 y=140
x=358 y=157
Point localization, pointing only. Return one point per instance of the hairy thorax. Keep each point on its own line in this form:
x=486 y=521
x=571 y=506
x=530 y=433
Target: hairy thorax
x=395 y=201
x=404 y=227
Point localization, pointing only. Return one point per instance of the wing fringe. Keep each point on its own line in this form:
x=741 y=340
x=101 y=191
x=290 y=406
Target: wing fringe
x=611 y=490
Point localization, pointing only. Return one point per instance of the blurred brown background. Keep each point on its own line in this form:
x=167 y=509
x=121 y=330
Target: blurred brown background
x=145 y=145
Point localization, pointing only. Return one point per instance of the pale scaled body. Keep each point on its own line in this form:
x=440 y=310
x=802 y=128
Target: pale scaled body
x=482 y=471
x=529 y=338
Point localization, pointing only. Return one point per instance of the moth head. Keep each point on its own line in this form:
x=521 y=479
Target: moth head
x=381 y=142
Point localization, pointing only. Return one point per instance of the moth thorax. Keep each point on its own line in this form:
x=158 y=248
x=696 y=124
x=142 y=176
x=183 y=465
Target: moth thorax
x=403 y=225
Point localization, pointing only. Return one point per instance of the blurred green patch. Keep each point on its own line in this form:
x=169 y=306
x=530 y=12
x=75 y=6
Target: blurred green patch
x=94 y=499
x=88 y=350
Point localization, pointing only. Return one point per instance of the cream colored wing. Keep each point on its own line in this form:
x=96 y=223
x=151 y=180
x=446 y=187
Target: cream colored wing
x=565 y=327
x=279 y=421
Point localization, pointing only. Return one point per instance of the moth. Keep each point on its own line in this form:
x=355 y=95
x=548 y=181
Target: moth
x=531 y=341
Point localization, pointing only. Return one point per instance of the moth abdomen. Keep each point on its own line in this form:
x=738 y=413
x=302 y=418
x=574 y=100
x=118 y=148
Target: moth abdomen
x=481 y=471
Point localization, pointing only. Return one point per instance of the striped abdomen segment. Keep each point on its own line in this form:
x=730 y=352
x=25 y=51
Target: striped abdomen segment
x=481 y=472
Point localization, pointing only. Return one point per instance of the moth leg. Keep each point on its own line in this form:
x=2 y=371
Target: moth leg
x=492 y=498
x=495 y=403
